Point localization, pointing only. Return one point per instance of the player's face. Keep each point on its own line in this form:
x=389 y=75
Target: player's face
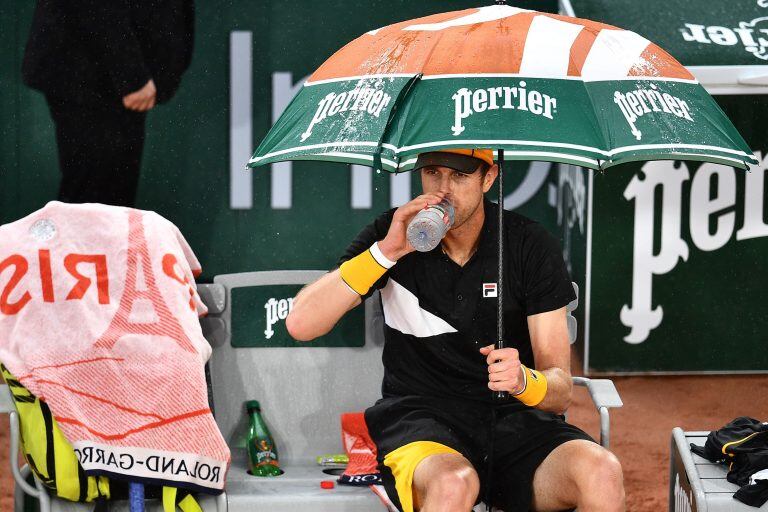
x=464 y=191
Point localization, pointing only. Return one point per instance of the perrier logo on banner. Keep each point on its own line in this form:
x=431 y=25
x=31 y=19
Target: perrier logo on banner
x=259 y=313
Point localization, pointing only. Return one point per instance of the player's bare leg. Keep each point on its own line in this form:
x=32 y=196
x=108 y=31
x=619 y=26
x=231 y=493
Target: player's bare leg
x=579 y=474
x=445 y=483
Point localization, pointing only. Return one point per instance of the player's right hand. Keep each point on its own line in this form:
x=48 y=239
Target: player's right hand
x=395 y=245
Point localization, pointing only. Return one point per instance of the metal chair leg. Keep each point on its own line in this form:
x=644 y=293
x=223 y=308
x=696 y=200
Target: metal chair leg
x=45 y=500
x=18 y=493
x=14 y=458
x=605 y=428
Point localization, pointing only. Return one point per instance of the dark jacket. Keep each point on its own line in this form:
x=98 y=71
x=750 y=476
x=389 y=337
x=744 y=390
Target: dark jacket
x=94 y=52
x=742 y=444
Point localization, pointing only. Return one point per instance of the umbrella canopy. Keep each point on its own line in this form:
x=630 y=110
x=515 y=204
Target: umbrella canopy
x=538 y=86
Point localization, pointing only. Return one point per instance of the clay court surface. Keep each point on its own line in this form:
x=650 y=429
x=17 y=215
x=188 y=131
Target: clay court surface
x=640 y=430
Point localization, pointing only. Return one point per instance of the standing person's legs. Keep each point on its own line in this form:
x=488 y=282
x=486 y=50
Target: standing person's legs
x=99 y=153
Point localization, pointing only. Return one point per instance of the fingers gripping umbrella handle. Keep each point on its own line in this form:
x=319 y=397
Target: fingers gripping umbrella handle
x=500 y=395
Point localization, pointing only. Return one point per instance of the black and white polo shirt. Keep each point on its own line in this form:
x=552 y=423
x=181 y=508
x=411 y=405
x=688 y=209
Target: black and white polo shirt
x=438 y=314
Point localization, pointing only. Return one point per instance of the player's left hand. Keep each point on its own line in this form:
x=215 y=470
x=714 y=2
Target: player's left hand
x=504 y=372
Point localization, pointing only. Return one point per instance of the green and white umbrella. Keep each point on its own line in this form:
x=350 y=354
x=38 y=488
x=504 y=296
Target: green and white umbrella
x=530 y=85
x=538 y=86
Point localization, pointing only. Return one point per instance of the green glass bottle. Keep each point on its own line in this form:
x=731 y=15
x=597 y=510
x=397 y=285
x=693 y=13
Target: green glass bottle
x=262 y=453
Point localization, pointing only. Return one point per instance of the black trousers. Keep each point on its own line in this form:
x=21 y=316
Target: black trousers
x=99 y=152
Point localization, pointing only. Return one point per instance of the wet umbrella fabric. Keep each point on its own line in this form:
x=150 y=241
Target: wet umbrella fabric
x=539 y=86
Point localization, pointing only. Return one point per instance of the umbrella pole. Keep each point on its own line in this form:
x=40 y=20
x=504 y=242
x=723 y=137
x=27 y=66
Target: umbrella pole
x=500 y=395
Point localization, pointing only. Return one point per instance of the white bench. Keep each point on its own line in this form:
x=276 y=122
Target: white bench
x=696 y=484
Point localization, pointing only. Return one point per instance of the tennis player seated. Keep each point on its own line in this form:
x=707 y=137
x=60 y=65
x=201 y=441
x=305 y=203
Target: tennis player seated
x=443 y=443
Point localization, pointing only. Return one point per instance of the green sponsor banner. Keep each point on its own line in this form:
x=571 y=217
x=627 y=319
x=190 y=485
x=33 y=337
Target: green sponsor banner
x=258 y=320
x=677 y=262
x=700 y=33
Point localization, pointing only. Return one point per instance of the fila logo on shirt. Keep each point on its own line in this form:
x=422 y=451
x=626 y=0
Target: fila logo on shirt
x=490 y=290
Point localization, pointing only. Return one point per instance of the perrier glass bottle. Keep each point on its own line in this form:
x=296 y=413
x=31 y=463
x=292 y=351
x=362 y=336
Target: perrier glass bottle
x=262 y=454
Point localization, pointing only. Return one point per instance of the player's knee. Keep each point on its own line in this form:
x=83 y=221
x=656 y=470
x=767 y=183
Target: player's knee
x=609 y=469
x=601 y=474
x=456 y=486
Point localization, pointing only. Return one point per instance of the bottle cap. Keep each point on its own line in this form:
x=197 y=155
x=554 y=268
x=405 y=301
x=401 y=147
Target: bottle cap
x=327 y=484
x=253 y=404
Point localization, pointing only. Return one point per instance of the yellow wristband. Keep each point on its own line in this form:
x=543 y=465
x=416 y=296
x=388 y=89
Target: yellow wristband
x=534 y=387
x=363 y=270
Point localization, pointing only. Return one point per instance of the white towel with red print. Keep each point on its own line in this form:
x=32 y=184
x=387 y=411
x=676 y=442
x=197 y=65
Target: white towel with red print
x=99 y=318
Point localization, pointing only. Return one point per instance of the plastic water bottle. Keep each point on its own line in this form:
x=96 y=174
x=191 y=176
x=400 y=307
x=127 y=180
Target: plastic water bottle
x=428 y=227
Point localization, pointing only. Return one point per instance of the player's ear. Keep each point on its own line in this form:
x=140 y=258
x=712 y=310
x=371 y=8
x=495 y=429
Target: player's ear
x=490 y=176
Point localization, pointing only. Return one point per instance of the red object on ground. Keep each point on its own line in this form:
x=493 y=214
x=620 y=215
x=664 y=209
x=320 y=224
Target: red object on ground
x=327 y=484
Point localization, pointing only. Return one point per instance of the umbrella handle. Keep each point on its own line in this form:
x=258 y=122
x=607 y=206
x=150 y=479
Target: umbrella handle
x=500 y=396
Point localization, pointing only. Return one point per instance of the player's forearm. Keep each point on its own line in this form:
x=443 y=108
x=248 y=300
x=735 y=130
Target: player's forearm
x=318 y=307
x=559 y=389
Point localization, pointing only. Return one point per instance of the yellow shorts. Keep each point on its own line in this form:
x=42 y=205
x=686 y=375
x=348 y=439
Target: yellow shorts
x=403 y=461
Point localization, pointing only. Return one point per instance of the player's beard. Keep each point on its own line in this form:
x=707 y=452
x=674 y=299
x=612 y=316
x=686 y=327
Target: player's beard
x=462 y=215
